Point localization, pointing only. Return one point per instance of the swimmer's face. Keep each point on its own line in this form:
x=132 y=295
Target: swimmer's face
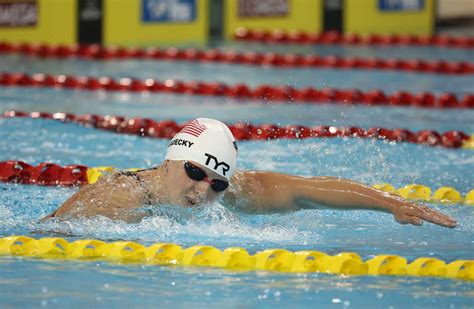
x=184 y=191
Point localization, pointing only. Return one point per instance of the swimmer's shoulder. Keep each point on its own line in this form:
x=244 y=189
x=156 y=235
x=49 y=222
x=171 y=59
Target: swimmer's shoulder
x=243 y=188
x=251 y=178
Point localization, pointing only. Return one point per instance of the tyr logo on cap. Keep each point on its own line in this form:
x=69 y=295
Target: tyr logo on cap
x=225 y=166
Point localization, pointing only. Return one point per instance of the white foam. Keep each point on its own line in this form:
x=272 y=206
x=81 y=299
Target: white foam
x=176 y=224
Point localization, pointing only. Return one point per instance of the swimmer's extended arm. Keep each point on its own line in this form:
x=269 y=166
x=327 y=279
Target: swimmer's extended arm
x=279 y=192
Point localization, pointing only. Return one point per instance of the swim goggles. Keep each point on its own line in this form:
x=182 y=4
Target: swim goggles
x=195 y=173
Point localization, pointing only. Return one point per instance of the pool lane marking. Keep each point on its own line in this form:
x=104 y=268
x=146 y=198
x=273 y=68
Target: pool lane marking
x=263 y=94
x=234 y=258
x=250 y=58
x=147 y=127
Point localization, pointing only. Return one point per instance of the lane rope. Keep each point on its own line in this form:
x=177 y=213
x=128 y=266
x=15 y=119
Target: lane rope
x=336 y=38
x=50 y=174
x=146 y=127
x=234 y=258
x=264 y=93
x=289 y=60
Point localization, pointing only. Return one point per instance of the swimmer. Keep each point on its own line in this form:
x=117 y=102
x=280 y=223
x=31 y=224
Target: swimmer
x=199 y=168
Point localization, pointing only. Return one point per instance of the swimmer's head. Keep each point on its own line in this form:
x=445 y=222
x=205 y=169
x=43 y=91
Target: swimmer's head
x=207 y=142
x=199 y=162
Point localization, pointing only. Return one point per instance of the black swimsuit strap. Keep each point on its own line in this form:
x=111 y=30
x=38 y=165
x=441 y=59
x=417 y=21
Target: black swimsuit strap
x=129 y=174
x=140 y=181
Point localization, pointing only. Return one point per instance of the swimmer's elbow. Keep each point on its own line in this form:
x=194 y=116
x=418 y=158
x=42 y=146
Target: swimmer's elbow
x=46 y=218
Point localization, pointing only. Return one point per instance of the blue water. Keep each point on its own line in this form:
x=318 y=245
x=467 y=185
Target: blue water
x=35 y=283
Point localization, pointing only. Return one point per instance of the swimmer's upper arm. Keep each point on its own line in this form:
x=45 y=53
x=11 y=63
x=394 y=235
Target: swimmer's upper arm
x=279 y=192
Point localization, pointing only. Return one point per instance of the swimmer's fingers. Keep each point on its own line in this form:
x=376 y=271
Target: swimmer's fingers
x=409 y=220
x=433 y=216
x=427 y=214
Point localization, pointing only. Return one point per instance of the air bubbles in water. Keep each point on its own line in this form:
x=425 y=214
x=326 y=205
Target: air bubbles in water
x=213 y=213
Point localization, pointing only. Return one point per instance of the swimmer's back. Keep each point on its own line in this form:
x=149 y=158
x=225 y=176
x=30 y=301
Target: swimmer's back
x=114 y=196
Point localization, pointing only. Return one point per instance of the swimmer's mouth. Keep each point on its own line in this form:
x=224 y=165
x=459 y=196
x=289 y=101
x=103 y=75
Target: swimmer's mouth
x=190 y=202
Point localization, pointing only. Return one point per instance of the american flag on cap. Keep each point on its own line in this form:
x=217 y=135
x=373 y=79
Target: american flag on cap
x=193 y=128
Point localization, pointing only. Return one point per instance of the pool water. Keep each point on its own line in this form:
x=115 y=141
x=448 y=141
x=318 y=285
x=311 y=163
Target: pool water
x=34 y=283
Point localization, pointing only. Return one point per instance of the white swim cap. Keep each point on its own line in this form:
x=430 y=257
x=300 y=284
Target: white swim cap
x=208 y=142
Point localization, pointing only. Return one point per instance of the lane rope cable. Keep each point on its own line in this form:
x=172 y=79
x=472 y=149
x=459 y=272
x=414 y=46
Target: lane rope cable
x=335 y=38
x=264 y=93
x=234 y=258
x=146 y=127
x=289 y=60
x=50 y=174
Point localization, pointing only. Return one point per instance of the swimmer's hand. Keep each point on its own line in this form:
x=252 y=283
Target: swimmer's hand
x=410 y=213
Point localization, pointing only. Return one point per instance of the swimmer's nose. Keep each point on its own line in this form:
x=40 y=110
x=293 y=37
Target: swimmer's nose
x=201 y=189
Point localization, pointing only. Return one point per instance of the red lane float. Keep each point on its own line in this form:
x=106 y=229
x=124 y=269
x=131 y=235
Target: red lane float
x=333 y=37
x=243 y=58
x=265 y=93
x=245 y=131
x=44 y=174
